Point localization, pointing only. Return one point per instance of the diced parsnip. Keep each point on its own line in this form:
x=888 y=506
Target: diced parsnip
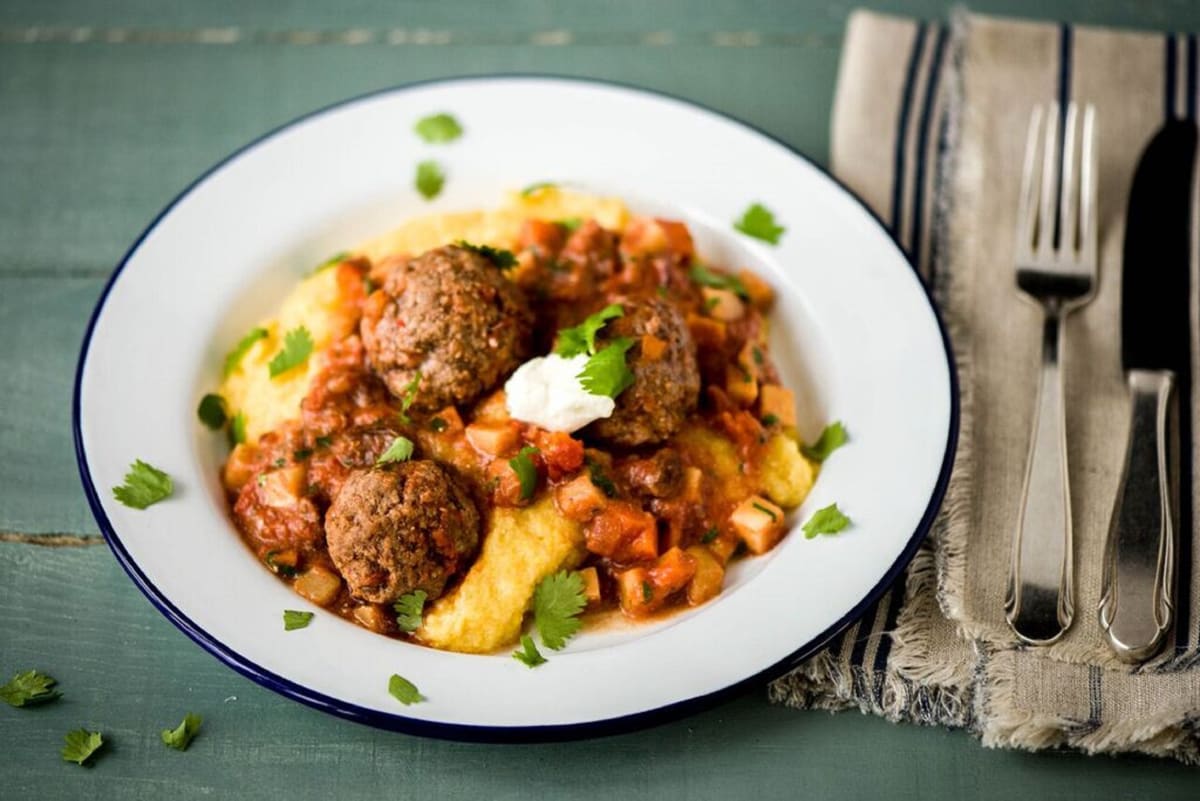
x=635 y=592
x=672 y=572
x=750 y=358
x=760 y=292
x=282 y=488
x=579 y=498
x=724 y=546
x=759 y=523
x=591 y=584
x=722 y=304
x=710 y=575
x=451 y=418
x=240 y=466
x=318 y=584
x=707 y=333
x=493 y=408
x=741 y=386
x=653 y=348
x=372 y=617
x=494 y=439
x=692 y=476
x=779 y=402
x=643 y=235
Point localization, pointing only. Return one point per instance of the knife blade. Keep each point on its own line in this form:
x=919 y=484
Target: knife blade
x=1138 y=580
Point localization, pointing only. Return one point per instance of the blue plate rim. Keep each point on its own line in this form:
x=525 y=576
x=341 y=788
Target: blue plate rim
x=504 y=734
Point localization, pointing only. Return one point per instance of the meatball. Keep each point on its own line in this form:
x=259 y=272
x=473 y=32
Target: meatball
x=406 y=527
x=657 y=476
x=354 y=448
x=666 y=382
x=451 y=316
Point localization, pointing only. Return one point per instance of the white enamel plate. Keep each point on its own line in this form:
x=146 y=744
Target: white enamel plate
x=854 y=332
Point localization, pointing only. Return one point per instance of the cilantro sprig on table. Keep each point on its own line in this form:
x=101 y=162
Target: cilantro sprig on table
x=144 y=485
x=832 y=437
x=182 y=735
x=438 y=128
x=759 y=222
x=81 y=744
x=409 y=608
x=29 y=689
x=828 y=520
x=294 y=619
x=297 y=347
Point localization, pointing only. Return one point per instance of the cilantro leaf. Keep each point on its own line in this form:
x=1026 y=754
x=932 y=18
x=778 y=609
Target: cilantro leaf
x=534 y=188
x=710 y=535
x=399 y=451
x=829 y=520
x=29 y=688
x=181 y=736
x=526 y=471
x=759 y=222
x=143 y=486
x=504 y=259
x=234 y=358
x=438 y=128
x=335 y=259
x=211 y=411
x=570 y=223
x=832 y=438
x=293 y=619
x=706 y=277
x=530 y=657
x=557 y=602
x=297 y=346
x=410 y=395
x=430 y=179
x=438 y=425
x=403 y=690
x=81 y=744
x=606 y=373
x=237 y=428
x=582 y=338
x=602 y=482
x=408 y=610
x=770 y=419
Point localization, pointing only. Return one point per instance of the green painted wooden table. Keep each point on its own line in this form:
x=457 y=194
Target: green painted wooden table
x=106 y=113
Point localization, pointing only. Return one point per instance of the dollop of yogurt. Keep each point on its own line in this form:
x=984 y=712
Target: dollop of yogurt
x=546 y=392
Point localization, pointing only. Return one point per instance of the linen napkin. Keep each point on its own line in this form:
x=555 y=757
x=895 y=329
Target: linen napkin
x=929 y=128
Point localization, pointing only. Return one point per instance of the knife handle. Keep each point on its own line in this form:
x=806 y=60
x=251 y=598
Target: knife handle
x=1139 y=556
x=1039 y=604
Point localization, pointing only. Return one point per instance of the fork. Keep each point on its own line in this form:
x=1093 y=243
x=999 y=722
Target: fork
x=1056 y=268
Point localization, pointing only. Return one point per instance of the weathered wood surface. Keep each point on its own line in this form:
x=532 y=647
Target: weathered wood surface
x=107 y=111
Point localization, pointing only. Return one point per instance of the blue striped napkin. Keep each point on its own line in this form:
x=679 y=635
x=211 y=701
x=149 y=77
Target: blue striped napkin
x=929 y=128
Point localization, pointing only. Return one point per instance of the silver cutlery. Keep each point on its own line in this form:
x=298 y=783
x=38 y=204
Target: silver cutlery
x=1056 y=268
x=1136 y=606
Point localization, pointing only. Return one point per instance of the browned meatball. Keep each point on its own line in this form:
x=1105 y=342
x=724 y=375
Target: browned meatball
x=402 y=528
x=339 y=455
x=666 y=379
x=452 y=316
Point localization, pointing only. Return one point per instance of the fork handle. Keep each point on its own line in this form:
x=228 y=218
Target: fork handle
x=1039 y=604
x=1139 y=557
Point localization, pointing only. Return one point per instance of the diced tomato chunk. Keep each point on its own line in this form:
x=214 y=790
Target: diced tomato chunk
x=562 y=453
x=643 y=590
x=579 y=498
x=624 y=533
x=542 y=234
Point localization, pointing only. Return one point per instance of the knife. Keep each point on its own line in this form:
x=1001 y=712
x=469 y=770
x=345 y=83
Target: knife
x=1137 y=594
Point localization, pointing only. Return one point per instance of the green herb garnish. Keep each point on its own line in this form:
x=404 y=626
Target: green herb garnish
x=647 y=592
x=832 y=437
x=234 y=358
x=430 y=179
x=293 y=619
x=529 y=656
x=765 y=511
x=504 y=259
x=582 y=338
x=570 y=223
x=400 y=450
x=438 y=128
x=144 y=485
x=237 y=428
x=557 y=603
x=403 y=690
x=829 y=520
x=29 y=689
x=534 y=188
x=709 y=535
x=438 y=425
x=336 y=258
x=211 y=411
x=181 y=736
x=770 y=419
x=297 y=346
x=81 y=744
x=759 y=223
x=596 y=473
x=706 y=277
x=410 y=394
x=522 y=464
x=408 y=609
x=606 y=373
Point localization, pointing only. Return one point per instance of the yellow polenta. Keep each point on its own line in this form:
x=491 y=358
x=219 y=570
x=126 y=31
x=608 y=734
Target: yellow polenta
x=785 y=473
x=521 y=548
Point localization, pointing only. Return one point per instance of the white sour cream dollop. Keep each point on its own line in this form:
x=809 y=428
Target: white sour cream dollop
x=546 y=392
